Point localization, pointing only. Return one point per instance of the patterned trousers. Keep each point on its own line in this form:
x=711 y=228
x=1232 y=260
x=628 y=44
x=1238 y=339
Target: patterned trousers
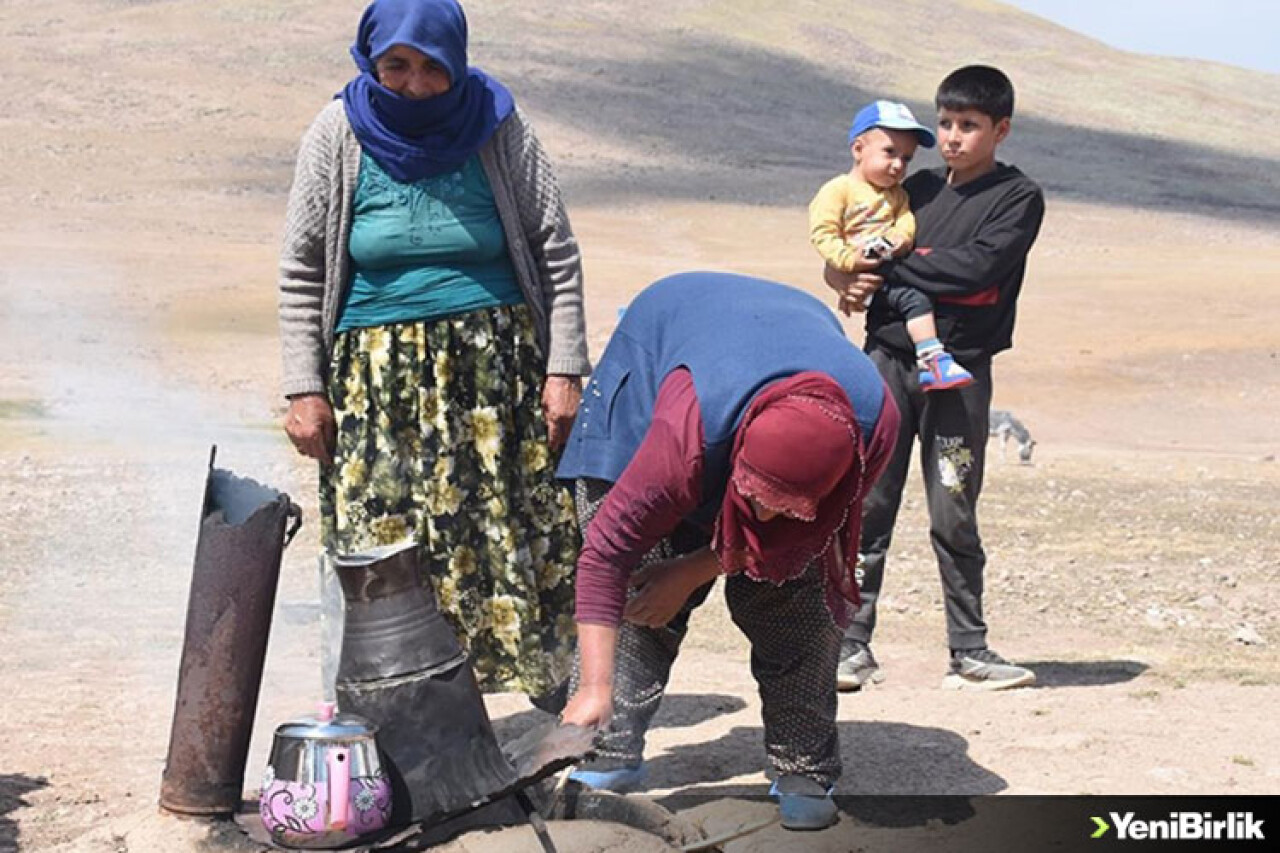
x=795 y=648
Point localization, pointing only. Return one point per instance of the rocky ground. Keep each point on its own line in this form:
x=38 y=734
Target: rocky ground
x=1137 y=576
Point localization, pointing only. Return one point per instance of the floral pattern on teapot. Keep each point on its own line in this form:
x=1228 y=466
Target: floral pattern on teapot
x=297 y=813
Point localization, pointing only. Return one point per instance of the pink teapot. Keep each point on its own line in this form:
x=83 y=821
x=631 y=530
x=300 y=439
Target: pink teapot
x=324 y=786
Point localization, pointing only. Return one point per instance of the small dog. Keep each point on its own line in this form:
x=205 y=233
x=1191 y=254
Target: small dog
x=1006 y=426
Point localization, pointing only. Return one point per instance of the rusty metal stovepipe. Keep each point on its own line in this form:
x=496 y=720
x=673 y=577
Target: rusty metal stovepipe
x=244 y=528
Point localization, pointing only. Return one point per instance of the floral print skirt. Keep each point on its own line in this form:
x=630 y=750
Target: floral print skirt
x=441 y=437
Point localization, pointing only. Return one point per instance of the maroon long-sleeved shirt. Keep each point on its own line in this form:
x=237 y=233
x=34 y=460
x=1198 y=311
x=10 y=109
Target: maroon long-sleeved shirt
x=661 y=487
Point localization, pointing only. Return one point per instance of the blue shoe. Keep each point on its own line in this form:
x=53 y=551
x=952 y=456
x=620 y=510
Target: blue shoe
x=804 y=804
x=618 y=781
x=939 y=371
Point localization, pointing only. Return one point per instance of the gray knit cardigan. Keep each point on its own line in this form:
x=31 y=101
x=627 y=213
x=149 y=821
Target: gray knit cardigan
x=315 y=268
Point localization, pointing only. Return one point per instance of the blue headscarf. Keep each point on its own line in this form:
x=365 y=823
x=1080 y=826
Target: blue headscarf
x=418 y=138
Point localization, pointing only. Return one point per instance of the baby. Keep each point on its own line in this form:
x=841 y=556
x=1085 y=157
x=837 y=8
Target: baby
x=859 y=219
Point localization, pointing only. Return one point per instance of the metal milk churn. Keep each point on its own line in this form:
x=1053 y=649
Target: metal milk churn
x=403 y=669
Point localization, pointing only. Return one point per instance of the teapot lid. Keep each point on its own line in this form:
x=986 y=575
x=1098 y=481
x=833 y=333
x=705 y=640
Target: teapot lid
x=327 y=724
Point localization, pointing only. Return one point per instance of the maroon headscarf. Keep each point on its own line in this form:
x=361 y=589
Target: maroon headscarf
x=798 y=451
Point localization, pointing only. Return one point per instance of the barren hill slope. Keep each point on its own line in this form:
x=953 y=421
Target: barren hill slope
x=174 y=104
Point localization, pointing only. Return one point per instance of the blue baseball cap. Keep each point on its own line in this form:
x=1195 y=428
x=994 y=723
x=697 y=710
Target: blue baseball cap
x=890 y=115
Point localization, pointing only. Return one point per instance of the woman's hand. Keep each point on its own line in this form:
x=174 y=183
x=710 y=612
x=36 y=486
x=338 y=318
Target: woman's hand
x=664 y=587
x=310 y=426
x=661 y=591
x=560 y=398
x=591 y=706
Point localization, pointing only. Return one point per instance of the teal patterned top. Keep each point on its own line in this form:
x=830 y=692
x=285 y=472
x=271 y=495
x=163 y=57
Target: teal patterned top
x=425 y=250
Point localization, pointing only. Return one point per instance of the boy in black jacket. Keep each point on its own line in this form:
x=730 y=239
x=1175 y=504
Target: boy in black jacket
x=976 y=220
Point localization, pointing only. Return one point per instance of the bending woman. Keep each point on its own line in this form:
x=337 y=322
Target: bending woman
x=433 y=337
x=730 y=428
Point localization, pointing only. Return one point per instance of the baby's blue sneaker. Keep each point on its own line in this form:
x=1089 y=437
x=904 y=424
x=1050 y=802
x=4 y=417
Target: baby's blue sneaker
x=804 y=804
x=619 y=781
x=939 y=371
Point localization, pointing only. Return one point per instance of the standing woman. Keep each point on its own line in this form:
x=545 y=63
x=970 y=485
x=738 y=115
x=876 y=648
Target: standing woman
x=433 y=337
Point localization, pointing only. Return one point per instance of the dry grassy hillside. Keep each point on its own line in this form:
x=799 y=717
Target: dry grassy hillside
x=163 y=132
x=183 y=108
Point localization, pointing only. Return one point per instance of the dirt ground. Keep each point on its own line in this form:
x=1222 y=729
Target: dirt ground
x=1135 y=565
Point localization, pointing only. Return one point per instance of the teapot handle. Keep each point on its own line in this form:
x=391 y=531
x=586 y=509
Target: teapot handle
x=339 y=766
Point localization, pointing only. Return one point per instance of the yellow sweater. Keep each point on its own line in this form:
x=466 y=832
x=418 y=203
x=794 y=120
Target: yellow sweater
x=847 y=213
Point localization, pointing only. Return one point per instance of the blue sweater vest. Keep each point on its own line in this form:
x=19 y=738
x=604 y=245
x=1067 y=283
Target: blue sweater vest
x=735 y=335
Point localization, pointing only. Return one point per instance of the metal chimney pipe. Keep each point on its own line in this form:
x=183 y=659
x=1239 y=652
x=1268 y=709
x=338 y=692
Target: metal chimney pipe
x=244 y=528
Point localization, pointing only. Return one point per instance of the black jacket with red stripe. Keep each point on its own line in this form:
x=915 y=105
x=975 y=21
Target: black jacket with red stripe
x=970 y=257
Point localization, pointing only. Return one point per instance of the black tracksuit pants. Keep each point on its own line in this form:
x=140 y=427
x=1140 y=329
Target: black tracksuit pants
x=952 y=429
